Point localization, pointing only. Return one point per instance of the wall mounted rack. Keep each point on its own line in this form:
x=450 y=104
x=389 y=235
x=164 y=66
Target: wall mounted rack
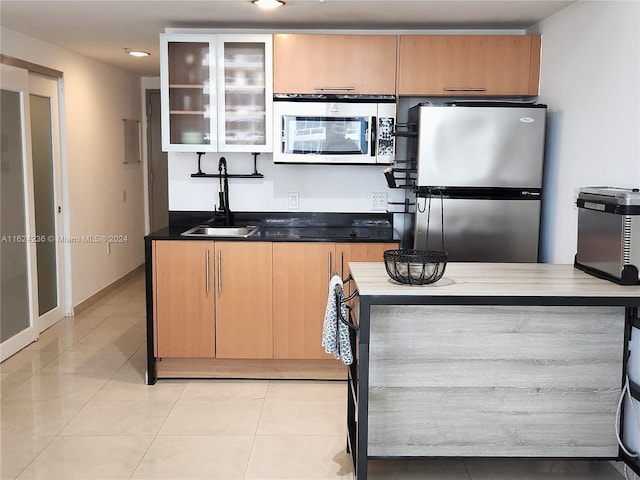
x=406 y=176
x=201 y=174
x=406 y=206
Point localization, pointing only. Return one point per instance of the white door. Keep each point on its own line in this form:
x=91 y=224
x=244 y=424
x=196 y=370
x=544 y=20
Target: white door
x=47 y=188
x=17 y=251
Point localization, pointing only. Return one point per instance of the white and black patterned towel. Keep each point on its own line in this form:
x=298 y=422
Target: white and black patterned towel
x=335 y=334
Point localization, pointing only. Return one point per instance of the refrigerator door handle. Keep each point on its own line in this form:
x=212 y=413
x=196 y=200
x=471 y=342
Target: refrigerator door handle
x=530 y=194
x=479 y=192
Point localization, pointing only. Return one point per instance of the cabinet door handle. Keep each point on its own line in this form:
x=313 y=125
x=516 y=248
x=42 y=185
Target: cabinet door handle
x=342 y=265
x=329 y=266
x=206 y=271
x=219 y=272
x=464 y=89
x=333 y=89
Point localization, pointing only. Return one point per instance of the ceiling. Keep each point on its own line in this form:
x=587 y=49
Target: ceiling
x=103 y=29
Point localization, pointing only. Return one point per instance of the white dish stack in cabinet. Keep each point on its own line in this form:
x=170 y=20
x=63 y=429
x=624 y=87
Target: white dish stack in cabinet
x=217 y=92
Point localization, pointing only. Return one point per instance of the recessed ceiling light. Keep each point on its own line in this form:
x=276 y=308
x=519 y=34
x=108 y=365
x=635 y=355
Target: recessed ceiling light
x=268 y=3
x=137 y=53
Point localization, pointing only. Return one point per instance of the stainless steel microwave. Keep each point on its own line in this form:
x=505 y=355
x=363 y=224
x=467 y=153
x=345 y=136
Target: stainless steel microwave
x=334 y=131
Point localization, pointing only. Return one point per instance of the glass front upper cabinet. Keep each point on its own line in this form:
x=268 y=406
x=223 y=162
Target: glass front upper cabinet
x=245 y=89
x=216 y=93
x=188 y=93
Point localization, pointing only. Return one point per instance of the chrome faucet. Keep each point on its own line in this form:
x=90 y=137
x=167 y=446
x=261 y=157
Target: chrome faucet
x=223 y=194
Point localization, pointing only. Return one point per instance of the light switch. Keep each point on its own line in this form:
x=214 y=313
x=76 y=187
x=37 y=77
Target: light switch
x=294 y=201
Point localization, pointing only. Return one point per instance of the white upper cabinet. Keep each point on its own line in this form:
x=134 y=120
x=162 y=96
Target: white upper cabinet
x=245 y=92
x=217 y=93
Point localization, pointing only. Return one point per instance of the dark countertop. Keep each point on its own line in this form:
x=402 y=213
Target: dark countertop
x=288 y=226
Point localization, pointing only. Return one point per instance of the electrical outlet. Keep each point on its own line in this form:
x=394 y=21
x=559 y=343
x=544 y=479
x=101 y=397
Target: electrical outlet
x=294 y=201
x=378 y=200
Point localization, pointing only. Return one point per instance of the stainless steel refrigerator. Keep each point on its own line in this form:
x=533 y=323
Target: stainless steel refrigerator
x=479 y=179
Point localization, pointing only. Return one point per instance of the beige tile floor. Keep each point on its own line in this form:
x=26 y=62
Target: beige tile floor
x=74 y=405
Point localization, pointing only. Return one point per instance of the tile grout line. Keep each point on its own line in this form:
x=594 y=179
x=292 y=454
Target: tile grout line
x=40 y=371
x=155 y=436
x=255 y=434
x=146 y=450
x=65 y=329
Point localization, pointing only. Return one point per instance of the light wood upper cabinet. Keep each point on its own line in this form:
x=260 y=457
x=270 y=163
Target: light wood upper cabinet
x=184 y=299
x=478 y=65
x=244 y=327
x=363 y=64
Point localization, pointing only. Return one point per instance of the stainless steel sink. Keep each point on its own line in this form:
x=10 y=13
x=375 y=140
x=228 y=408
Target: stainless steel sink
x=220 y=232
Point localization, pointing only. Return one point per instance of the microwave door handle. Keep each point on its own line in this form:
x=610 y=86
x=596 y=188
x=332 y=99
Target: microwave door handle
x=283 y=135
x=374 y=126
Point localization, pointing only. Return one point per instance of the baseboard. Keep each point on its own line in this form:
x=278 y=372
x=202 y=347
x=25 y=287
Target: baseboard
x=107 y=290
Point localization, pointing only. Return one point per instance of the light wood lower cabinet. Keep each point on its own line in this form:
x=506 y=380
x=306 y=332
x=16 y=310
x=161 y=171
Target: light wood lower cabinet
x=247 y=300
x=301 y=273
x=360 y=252
x=301 y=277
x=244 y=326
x=213 y=299
x=184 y=299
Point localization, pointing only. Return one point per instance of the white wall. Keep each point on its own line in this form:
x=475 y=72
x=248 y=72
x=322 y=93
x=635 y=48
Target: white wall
x=97 y=98
x=590 y=78
x=321 y=188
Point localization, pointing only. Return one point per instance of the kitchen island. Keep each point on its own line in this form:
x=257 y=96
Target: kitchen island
x=493 y=360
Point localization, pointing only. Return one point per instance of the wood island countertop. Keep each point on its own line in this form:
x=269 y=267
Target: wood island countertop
x=493 y=280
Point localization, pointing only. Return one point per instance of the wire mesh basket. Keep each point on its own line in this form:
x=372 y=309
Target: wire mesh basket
x=415 y=267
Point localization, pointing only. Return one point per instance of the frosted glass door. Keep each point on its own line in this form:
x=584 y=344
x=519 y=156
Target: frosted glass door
x=42 y=152
x=16 y=250
x=47 y=206
x=245 y=93
x=14 y=266
x=189 y=93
